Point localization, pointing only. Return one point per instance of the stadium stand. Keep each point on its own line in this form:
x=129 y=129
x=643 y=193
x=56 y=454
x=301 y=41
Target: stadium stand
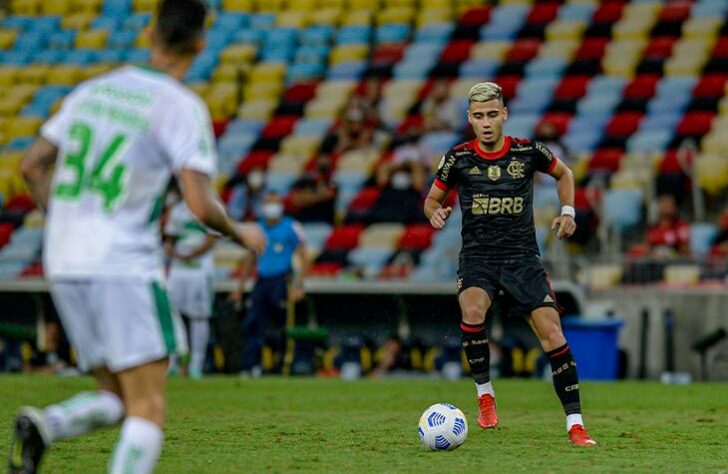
x=625 y=84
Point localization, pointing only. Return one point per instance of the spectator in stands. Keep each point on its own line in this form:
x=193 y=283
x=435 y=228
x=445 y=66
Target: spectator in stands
x=670 y=235
x=548 y=134
x=438 y=111
x=355 y=132
x=367 y=100
x=720 y=243
x=313 y=197
x=400 y=200
x=270 y=298
x=410 y=158
x=247 y=194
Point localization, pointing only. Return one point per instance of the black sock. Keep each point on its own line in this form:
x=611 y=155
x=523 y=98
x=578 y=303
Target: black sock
x=477 y=350
x=566 y=380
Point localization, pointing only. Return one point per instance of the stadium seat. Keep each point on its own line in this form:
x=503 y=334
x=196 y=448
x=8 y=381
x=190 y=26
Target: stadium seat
x=701 y=239
x=344 y=238
x=623 y=208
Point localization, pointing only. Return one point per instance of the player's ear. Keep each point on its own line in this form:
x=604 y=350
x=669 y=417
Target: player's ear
x=200 y=45
x=505 y=113
x=151 y=34
x=470 y=117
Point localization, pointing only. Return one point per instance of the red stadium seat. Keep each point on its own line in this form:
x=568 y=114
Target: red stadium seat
x=456 y=51
x=219 y=127
x=301 y=92
x=671 y=164
x=279 y=127
x=592 y=48
x=624 y=123
x=415 y=122
x=660 y=47
x=608 y=12
x=676 y=11
x=523 y=50
x=389 y=53
x=560 y=120
x=476 y=16
x=721 y=48
x=581 y=199
x=34 y=270
x=6 y=230
x=642 y=86
x=542 y=13
x=417 y=237
x=255 y=158
x=365 y=200
x=572 y=87
x=711 y=85
x=606 y=160
x=508 y=85
x=344 y=238
x=20 y=202
x=695 y=123
x=327 y=269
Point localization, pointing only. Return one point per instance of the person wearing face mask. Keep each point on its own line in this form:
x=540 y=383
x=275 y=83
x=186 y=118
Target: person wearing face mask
x=247 y=194
x=400 y=200
x=276 y=282
x=313 y=196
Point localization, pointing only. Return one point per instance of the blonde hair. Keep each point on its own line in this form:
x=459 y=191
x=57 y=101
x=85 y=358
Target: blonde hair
x=484 y=92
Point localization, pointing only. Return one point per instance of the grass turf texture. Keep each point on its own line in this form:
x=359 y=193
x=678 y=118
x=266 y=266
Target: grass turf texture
x=281 y=425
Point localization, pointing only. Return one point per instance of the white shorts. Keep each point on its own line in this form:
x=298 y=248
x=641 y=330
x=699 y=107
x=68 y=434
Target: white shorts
x=118 y=323
x=191 y=292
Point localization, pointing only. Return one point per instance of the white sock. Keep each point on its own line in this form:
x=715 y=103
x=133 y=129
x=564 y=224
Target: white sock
x=484 y=388
x=82 y=413
x=572 y=420
x=199 y=336
x=138 y=448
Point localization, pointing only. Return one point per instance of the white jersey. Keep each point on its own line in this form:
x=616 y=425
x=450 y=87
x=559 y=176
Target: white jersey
x=120 y=137
x=189 y=235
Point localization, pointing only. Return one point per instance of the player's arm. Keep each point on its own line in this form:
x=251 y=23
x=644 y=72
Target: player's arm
x=36 y=169
x=565 y=187
x=201 y=250
x=206 y=206
x=433 y=207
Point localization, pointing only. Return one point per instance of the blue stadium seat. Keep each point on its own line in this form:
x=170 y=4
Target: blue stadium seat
x=31 y=43
x=80 y=57
x=505 y=22
x=623 y=208
x=582 y=142
x=11 y=270
x=109 y=23
x=232 y=21
x=217 y=39
x=137 y=56
x=423 y=52
x=709 y=9
x=45 y=24
x=347 y=70
x=281 y=37
x=254 y=37
x=244 y=126
x=137 y=21
x=588 y=124
x=279 y=54
x=280 y=182
x=117 y=8
x=668 y=104
x=20 y=144
x=529 y=104
x=701 y=239
x=121 y=40
x=354 y=34
x=319 y=35
x=304 y=72
x=263 y=21
x=522 y=125
x=50 y=56
x=545 y=67
x=434 y=33
x=413 y=68
x=349 y=180
x=649 y=141
x=233 y=147
x=18 y=22
x=666 y=121
x=64 y=40
x=439 y=142
x=674 y=86
x=312 y=127
x=576 y=12
x=479 y=68
x=372 y=259
x=313 y=54
x=316 y=234
x=111 y=56
x=393 y=33
x=606 y=85
x=598 y=105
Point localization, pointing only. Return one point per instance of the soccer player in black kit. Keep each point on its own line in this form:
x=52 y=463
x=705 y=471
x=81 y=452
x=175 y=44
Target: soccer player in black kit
x=494 y=176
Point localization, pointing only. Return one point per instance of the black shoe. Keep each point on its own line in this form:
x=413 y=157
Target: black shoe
x=28 y=444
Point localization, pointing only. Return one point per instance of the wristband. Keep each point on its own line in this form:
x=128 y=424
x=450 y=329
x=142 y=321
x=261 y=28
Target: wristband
x=568 y=211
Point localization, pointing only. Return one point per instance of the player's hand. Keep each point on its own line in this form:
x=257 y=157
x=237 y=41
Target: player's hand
x=566 y=225
x=251 y=236
x=440 y=216
x=297 y=294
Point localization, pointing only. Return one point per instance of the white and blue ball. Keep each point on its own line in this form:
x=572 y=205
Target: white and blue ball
x=443 y=427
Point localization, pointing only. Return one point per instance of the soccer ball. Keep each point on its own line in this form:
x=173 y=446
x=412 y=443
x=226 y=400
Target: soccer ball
x=443 y=427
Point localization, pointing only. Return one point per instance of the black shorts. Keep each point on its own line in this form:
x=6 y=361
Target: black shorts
x=524 y=283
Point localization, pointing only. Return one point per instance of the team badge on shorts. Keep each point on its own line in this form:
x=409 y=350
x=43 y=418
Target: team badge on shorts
x=494 y=172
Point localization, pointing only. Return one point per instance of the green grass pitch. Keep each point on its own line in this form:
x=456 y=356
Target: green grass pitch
x=228 y=425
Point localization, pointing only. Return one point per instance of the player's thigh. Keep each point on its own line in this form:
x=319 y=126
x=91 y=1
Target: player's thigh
x=143 y=389
x=137 y=323
x=546 y=323
x=528 y=287
x=72 y=302
x=476 y=285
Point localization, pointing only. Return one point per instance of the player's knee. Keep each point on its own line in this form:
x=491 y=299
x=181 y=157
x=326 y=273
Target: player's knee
x=152 y=407
x=473 y=313
x=553 y=338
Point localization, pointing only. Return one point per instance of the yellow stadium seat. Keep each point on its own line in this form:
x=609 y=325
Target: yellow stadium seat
x=237 y=5
x=55 y=7
x=77 y=21
x=96 y=70
x=292 y=19
x=321 y=109
x=426 y=4
x=326 y=16
x=238 y=54
x=701 y=27
x=230 y=72
x=92 y=39
x=257 y=109
x=564 y=49
x=35 y=219
x=305 y=5
x=56 y=106
x=604 y=276
x=517 y=2
x=7 y=38
x=3 y=139
x=712 y=173
x=328 y=89
x=24 y=92
x=565 y=30
x=23 y=127
x=401 y=3
x=332 y=3
x=8 y=76
x=282 y=163
x=144 y=6
x=396 y=15
x=300 y=145
x=433 y=15
x=349 y=52
x=357 y=161
x=270 y=90
x=4 y=121
x=142 y=40
x=682 y=274
x=715 y=142
x=400 y=89
x=10 y=160
x=270 y=6
x=685 y=66
x=65 y=75
x=633 y=28
x=88 y=6
x=370 y=5
x=490 y=50
x=10 y=106
x=34 y=74
x=268 y=72
x=199 y=88
x=642 y=10
x=25 y=7
x=381 y=235
x=357 y=18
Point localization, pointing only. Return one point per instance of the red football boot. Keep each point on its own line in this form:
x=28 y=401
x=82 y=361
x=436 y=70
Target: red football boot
x=488 y=418
x=578 y=435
